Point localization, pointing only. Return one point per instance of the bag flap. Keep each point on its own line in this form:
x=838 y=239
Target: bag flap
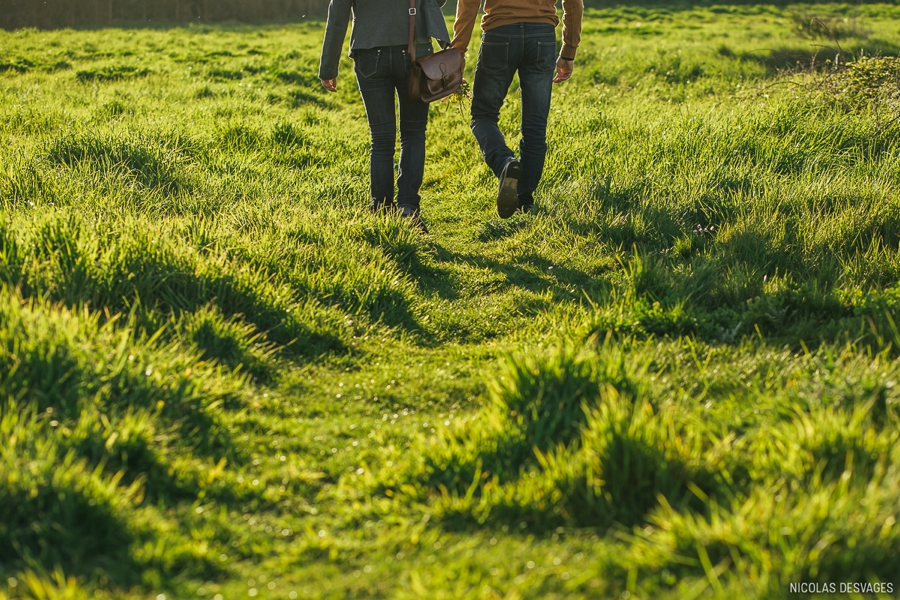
x=441 y=64
x=450 y=85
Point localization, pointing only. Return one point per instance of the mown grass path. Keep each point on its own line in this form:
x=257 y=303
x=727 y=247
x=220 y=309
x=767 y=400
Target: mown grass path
x=220 y=377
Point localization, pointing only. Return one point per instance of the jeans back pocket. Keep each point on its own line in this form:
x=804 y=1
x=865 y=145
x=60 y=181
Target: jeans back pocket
x=546 y=56
x=366 y=62
x=494 y=56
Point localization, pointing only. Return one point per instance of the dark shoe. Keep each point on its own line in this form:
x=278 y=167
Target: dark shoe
x=412 y=213
x=526 y=203
x=508 y=194
x=381 y=205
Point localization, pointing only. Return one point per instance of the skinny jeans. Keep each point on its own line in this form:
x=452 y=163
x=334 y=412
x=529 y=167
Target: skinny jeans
x=381 y=74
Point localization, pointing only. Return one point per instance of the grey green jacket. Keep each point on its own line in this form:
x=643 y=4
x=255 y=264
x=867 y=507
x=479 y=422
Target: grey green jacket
x=376 y=24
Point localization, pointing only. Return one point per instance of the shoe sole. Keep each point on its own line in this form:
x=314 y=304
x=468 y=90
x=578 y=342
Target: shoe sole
x=508 y=194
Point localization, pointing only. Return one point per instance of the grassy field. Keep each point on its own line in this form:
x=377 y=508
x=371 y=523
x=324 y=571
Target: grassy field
x=220 y=377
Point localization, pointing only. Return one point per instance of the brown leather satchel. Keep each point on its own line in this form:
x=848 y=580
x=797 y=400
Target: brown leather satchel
x=434 y=76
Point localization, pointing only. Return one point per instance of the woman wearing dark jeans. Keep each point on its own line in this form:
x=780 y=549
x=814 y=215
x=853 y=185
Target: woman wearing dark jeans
x=378 y=45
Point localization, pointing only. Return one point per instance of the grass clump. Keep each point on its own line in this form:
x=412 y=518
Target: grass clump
x=568 y=440
x=96 y=416
x=139 y=269
x=111 y=73
x=830 y=27
x=152 y=165
x=231 y=342
x=870 y=81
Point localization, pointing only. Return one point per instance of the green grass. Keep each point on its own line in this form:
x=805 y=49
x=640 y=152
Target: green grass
x=221 y=377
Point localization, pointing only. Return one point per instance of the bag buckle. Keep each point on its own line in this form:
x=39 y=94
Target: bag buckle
x=412 y=12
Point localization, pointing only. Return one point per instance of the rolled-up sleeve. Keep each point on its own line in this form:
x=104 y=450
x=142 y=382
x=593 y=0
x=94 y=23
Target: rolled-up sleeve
x=466 y=14
x=573 y=10
x=335 y=32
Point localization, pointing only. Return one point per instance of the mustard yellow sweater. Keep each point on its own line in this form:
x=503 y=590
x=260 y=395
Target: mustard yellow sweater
x=507 y=12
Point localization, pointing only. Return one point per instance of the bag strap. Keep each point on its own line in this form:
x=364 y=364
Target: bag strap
x=411 y=48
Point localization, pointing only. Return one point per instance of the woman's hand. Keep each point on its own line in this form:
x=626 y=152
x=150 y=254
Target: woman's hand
x=329 y=84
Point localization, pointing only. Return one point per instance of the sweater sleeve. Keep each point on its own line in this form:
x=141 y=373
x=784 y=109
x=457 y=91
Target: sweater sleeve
x=466 y=14
x=571 y=33
x=335 y=32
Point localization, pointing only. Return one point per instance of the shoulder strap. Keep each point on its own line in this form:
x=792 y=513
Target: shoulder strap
x=411 y=48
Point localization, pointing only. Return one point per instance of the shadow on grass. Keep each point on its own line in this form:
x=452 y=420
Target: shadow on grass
x=528 y=272
x=816 y=56
x=68 y=528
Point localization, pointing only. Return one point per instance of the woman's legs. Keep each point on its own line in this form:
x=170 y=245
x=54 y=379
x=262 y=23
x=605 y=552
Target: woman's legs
x=380 y=73
x=376 y=86
x=413 y=123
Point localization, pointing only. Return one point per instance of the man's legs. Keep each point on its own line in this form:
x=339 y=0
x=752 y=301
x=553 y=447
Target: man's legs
x=529 y=48
x=536 y=83
x=498 y=59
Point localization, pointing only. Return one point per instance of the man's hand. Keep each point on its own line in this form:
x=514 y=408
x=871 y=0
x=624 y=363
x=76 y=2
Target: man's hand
x=329 y=84
x=564 y=68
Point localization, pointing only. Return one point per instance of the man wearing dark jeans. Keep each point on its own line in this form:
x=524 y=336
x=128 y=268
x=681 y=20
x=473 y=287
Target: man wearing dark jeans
x=519 y=36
